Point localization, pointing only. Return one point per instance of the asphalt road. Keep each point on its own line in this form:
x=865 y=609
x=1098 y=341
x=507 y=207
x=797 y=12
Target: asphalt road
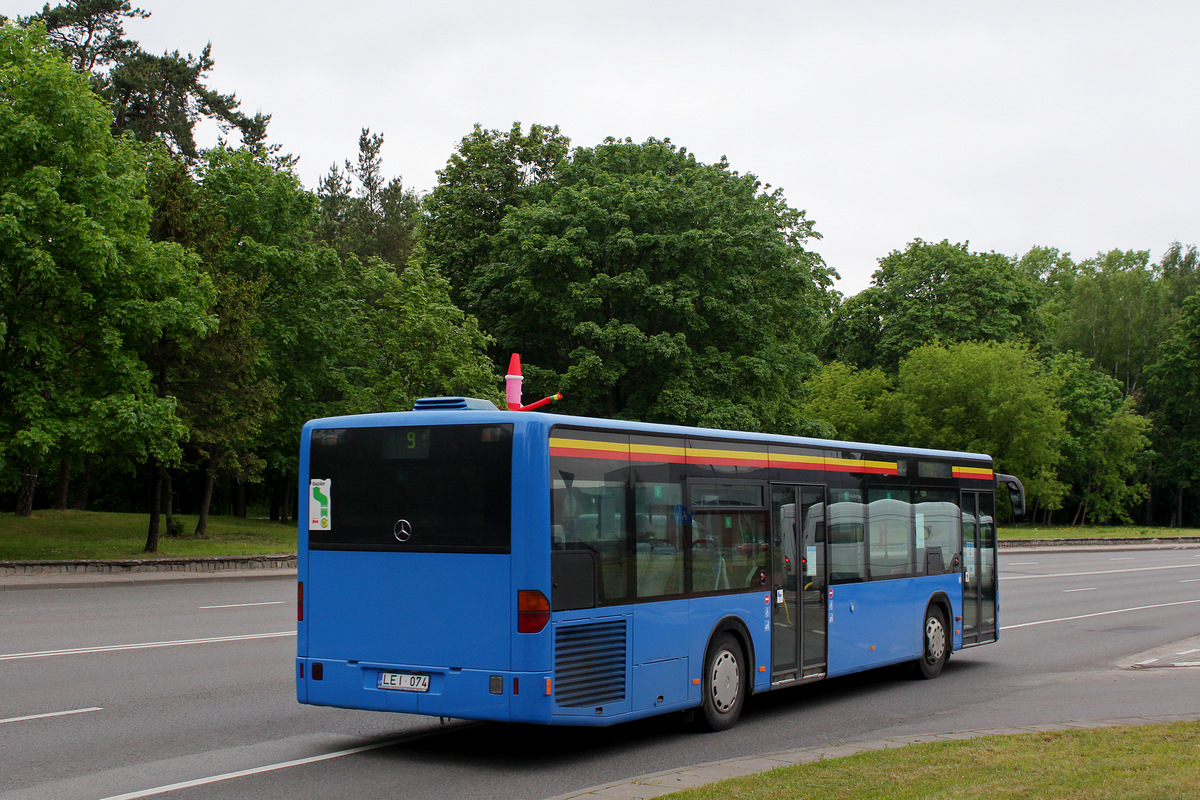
x=125 y=691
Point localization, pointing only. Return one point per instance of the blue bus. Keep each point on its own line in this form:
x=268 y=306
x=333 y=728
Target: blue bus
x=463 y=561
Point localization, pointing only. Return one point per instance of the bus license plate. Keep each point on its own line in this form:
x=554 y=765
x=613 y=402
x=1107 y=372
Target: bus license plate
x=403 y=682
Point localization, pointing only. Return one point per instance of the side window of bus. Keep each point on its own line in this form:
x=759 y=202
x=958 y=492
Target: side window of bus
x=937 y=519
x=589 y=513
x=890 y=531
x=847 y=557
x=659 y=539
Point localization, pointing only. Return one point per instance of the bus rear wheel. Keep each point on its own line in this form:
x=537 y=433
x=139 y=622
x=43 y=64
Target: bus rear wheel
x=724 y=683
x=936 y=650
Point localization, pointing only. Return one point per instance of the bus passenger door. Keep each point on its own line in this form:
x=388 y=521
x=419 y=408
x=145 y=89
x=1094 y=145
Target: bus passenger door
x=979 y=568
x=799 y=615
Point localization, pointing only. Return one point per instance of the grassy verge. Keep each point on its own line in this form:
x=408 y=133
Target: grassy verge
x=52 y=535
x=1155 y=761
x=49 y=535
x=1093 y=532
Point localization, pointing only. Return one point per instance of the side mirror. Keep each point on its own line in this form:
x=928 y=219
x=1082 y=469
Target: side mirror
x=1016 y=494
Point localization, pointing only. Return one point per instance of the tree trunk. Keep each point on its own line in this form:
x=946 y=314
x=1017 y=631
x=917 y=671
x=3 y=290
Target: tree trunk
x=291 y=499
x=1179 y=507
x=29 y=479
x=206 y=500
x=64 y=485
x=155 y=510
x=169 y=504
x=239 y=499
x=276 y=512
x=85 y=485
x=1149 y=504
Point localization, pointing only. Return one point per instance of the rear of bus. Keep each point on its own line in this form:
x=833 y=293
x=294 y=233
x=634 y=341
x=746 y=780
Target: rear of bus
x=406 y=595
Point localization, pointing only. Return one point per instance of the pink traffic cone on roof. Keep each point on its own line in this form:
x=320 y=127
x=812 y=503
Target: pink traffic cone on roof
x=512 y=388
x=512 y=383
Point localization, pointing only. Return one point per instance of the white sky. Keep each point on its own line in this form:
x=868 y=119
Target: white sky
x=1008 y=125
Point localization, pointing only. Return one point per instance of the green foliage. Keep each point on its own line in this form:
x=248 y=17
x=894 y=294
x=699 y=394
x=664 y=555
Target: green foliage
x=1173 y=399
x=335 y=337
x=91 y=33
x=856 y=403
x=986 y=397
x=407 y=340
x=645 y=284
x=380 y=220
x=490 y=173
x=80 y=284
x=1103 y=442
x=153 y=97
x=1116 y=312
x=935 y=292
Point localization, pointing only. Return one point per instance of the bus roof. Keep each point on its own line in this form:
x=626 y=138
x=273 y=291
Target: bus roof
x=438 y=410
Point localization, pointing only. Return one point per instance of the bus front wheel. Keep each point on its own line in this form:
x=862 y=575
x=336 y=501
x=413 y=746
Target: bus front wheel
x=724 y=683
x=936 y=650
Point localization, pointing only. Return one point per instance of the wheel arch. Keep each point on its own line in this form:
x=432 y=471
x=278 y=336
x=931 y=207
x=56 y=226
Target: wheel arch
x=942 y=600
x=736 y=627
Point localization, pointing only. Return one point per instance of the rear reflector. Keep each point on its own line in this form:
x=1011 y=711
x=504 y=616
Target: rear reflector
x=533 y=611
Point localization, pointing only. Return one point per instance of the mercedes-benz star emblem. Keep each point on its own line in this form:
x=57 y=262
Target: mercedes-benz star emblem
x=403 y=530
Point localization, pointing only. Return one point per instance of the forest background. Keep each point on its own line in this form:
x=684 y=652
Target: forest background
x=171 y=315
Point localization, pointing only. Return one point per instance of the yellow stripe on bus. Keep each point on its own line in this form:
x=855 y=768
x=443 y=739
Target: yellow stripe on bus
x=588 y=444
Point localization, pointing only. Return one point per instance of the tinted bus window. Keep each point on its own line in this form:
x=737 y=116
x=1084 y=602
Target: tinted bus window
x=937 y=521
x=847 y=558
x=890 y=529
x=426 y=489
x=588 y=504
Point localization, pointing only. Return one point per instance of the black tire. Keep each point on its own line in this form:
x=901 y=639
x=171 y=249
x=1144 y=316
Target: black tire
x=935 y=648
x=723 y=683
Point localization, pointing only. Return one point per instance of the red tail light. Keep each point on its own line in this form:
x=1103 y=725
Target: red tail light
x=533 y=611
x=300 y=601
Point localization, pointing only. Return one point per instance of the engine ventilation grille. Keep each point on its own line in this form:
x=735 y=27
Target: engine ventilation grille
x=454 y=404
x=589 y=664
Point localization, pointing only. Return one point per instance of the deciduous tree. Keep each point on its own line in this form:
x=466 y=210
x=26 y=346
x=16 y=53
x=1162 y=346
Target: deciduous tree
x=986 y=397
x=80 y=282
x=928 y=293
x=490 y=173
x=647 y=284
x=1103 y=442
x=1173 y=400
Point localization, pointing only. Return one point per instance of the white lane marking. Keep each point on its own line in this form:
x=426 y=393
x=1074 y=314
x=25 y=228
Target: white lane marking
x=75 y=651
x=246 y=605
x=51 y=714
x=1191 y=580
x=1122 y=558
x=1097 y=614
x=1097 y=572
x=1090 y=589
x=1023 y=564
x=242 y=773
x=1188 y=652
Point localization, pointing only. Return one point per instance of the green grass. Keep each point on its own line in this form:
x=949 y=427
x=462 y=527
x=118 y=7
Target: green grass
x=53 y=535
x=1154 y=761
x=50 y=535
x=1031 y=531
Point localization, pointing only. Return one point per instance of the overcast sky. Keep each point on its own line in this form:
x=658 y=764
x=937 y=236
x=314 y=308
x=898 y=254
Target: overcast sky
x=1008 y=125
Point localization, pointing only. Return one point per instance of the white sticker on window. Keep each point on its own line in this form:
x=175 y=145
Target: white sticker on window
x=319 y=493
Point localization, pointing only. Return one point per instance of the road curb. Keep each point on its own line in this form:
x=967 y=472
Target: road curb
x=127 y=572
x=676 y=780
x=1156 y=542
